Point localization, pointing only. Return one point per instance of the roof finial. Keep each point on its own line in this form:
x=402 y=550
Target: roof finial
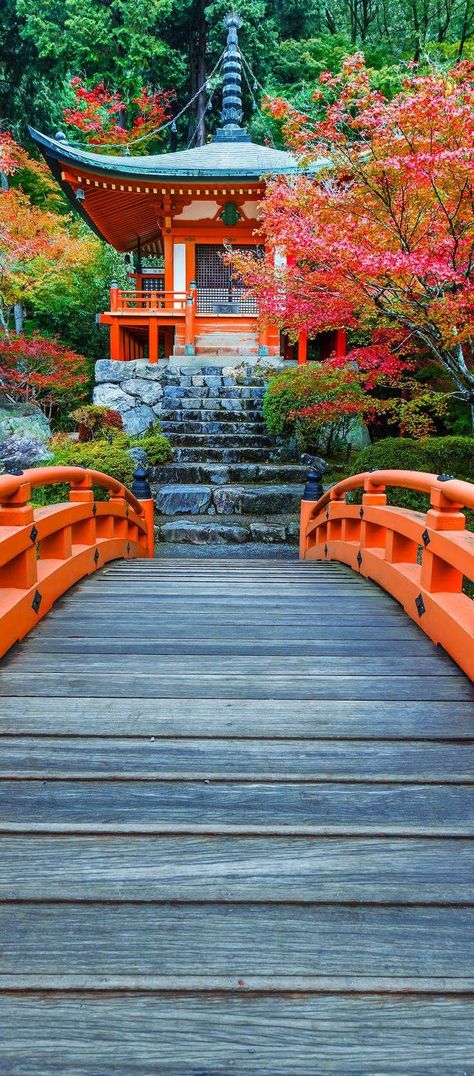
x=231 y=114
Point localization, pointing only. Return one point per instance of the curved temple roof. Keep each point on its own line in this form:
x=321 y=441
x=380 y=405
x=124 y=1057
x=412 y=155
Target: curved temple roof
x=219 y=160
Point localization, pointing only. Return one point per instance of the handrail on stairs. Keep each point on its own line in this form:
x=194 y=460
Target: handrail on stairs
x=45 y=550
x=422 y=559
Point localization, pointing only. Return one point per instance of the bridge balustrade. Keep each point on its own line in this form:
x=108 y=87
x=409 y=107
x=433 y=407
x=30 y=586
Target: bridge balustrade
x=422 y=559
x=45 y=550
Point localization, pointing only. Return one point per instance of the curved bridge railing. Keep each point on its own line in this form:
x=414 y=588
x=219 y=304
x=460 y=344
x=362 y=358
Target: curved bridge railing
x=44 y=551
x=422 y=559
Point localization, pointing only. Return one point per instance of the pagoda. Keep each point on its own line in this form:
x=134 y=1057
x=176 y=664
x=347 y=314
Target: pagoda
x=186 y=212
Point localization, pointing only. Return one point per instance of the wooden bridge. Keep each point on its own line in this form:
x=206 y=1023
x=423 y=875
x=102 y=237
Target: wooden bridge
x=236 y=810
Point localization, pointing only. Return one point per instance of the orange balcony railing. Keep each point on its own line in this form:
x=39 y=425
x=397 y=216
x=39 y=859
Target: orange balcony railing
x=422 y=559
x=133 y=301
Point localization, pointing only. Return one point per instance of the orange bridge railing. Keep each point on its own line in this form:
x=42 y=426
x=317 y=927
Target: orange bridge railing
x=44 y=551
x=422 y=559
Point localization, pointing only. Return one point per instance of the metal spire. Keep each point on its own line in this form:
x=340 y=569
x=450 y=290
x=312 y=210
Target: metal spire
x=231 y=114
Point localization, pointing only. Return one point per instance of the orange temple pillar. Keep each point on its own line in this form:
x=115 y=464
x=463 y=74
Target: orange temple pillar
x=341 y=343
x=302 y=348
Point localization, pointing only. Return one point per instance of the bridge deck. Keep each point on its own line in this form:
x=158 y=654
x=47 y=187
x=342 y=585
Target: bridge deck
x=236 y=830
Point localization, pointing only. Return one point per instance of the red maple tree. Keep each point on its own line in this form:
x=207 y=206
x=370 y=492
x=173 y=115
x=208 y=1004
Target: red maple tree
x=103 y=117
x=378 y=229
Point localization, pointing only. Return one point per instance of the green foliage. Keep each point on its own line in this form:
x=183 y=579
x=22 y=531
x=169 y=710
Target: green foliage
x=66 y=306
x=436 y=455
x=316 y=403
x=155 y=444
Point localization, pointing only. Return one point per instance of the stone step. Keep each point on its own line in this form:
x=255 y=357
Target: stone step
x=198 y=414
x=204 y=454
x=214 y=392
x=255 y=499
x=217 y=403
x=221 y=530
x=230 y=440
x=221 y=474
x=179 y=427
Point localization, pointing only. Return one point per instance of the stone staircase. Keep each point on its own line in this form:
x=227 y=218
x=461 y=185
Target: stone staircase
x=223 y=485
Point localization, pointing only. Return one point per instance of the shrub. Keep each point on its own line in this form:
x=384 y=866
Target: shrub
x=113 y=459
x=95 y=422
x=155 y=444
x=438 y=455
x=317 y=403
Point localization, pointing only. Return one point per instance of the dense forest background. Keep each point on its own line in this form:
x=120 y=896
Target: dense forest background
x=172 y=44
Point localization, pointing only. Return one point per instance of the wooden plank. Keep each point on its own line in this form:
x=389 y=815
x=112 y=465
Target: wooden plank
x=153 y=806
x=217 y=646
x=264 y=1035
x=241 y=939
x=195 y=868
x=70 y=684
x=234 y=665
x=287 y=760
x=236 y=717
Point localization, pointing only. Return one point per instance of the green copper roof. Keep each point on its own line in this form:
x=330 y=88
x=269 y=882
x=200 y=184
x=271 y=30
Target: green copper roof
x=218 y=160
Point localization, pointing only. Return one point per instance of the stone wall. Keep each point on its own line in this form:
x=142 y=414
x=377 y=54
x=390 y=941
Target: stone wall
x=133 y=389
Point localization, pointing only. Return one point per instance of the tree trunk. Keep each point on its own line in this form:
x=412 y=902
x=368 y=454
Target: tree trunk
x=197 y=63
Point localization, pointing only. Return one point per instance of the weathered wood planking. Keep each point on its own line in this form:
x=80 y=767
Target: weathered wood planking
x=215 y=807
x=207 y=718
x=285 y=760
x=222 y=1034
x=235 y=940
x=70 y=684
x=363 y=871
x=235 y=810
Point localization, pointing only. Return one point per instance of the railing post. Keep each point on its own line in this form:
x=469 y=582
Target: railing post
x=16 y=511
x=85 y=532
x=313 y=490
x=444 y=515
x=114 y=295
x=189 y=348
x=141 y=490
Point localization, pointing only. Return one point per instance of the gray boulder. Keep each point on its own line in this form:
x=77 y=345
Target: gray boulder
x=271 y=499
x=108 y=370
x=267 y=532
x=228 y=500
x=315 y=462
x=180 y=498
x=24 y=420
x=139 y=456
x=217 y=473
x=19 y=453
x=138 y=420
x=148 y=392
x=149 y=371
x=110 y=395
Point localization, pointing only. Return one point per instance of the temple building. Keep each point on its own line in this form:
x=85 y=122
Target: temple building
x=182 y=212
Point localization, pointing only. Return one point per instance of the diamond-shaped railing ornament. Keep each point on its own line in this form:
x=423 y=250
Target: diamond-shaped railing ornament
x=94 y=509
x=96 y=556
x=359 y=558
x=128 y=549
x=361 y=513
x=325 y=550
x=426 y=538
x=33 y=534
x=420 y=605
x=38 y=598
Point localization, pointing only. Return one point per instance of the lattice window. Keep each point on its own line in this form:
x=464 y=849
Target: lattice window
x=219 y=288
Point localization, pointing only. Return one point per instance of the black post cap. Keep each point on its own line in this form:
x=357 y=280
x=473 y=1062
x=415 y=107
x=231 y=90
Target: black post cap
x=313 y=489
x=140 y=484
